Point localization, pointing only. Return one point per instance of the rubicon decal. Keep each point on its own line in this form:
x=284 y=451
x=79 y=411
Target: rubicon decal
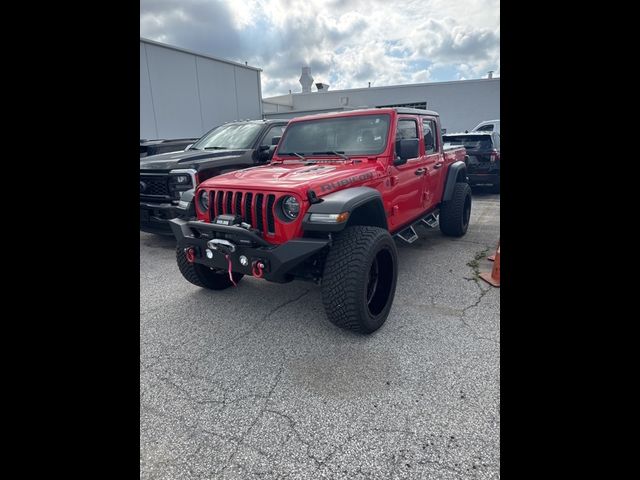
x=327 y=187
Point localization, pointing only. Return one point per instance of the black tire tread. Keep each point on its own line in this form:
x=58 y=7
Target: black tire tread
x=451 y=211
x=202 y=276
x=342 y=279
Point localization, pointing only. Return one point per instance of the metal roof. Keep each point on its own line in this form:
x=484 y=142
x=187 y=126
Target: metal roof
x=404 y=85
x=203 y=55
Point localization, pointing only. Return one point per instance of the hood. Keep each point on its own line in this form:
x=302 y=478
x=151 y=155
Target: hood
x=323 y=178
x=188 y=159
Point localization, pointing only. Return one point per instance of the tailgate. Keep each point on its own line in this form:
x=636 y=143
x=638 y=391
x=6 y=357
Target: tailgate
x=479 y=161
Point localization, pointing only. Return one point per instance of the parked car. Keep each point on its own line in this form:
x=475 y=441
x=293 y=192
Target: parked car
x=154 y=147
x=483 y=161
x=164 y=177
x=487 y=126
x=340 y=186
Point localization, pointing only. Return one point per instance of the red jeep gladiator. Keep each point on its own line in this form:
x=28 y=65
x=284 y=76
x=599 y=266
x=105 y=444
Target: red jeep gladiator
x=339 y=187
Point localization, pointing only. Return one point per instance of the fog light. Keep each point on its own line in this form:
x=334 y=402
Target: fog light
x=244 y=260
x=209 y=253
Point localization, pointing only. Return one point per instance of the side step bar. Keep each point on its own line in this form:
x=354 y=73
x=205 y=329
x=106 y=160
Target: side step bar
x=431 y=220
x=409 y=234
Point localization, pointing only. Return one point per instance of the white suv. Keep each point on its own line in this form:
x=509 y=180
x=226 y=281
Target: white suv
x=488 y=126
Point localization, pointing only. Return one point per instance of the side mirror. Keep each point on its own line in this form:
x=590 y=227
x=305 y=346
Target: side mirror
x=188 y=147
x=275 y=140
x=406 y=148
x=272 y=150
x=263 y=148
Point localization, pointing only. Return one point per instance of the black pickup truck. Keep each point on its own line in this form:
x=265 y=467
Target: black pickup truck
x=229 y=147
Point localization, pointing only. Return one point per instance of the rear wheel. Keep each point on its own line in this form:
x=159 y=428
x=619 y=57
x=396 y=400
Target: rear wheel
x=359 y=280
x=455 y=214
x=203 y=276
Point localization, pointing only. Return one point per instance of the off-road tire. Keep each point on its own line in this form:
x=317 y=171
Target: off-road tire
x=203 y=276
x=455 y=214
x=357 y=295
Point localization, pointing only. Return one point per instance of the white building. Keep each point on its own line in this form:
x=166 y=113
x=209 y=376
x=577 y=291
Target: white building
x=184 y=94
x=461 y=104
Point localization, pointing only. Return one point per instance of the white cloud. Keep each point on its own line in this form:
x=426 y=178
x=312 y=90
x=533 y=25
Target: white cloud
x=347 y=43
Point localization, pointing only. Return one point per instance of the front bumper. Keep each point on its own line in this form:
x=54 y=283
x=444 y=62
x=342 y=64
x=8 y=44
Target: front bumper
x=154 y=217
x=279 y=260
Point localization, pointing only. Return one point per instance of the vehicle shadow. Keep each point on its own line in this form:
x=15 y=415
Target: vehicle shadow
x=482 y=191
x=158 y=241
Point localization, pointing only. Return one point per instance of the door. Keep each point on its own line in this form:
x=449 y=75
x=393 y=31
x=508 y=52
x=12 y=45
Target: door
x=407 y=192
x=433 y=162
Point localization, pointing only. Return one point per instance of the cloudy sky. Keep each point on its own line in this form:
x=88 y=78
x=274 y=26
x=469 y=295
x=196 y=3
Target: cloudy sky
x=347 y=43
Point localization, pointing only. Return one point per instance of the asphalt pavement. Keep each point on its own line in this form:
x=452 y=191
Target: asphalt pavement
x=255 y=382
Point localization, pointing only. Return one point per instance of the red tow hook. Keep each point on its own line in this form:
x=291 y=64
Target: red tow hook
x=256 y=269
x=191 y=254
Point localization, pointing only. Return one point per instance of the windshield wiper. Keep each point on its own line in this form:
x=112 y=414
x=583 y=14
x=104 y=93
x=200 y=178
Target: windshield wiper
x=215 y=148
x=293 y=153
x=339 y=154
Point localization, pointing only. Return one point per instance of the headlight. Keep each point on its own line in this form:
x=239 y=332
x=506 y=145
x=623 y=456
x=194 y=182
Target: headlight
x=203 y=200
x=181 y=179
x=290 y=207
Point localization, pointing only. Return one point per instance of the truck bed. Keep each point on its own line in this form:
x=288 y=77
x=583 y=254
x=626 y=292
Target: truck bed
x=453 y=154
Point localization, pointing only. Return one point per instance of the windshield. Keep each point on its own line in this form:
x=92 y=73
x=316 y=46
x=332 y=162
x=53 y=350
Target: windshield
x=470 y=142
x=229 y=136
x=361 y=135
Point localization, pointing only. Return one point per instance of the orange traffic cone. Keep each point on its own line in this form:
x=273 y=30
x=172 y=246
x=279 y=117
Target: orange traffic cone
x=493 y=257
x=493 y=277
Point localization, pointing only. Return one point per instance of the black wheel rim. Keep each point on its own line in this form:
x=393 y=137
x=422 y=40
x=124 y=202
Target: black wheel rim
x=466 y=213
x=373 y=280
x=379 y=282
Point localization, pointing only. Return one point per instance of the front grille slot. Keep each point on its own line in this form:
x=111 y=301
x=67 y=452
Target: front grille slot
x=258 y=210
x=219 y=202
x=247 y=207
x=229 y=203
x=271 y=224
x=212 y=204
x=238 y=204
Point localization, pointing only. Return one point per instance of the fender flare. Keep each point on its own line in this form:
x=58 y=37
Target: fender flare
x=364 y=205
x=456 y=169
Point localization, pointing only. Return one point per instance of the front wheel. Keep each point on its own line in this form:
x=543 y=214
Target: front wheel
x=203 y=276
x=359 y=281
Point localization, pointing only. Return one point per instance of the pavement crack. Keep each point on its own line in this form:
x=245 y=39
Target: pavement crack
x=292 y=426
x=255 y=327
x=258 y=416
x=483 y=292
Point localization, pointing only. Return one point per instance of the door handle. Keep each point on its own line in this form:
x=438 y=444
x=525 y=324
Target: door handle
x=420 y=171
x=437 y=165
